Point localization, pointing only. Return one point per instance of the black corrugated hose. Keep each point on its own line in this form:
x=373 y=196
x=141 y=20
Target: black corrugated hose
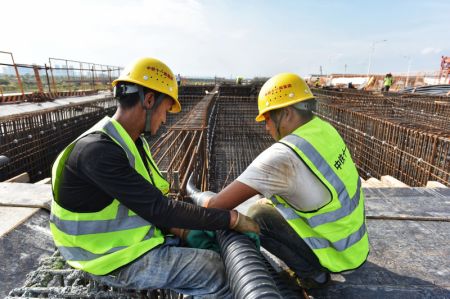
x=247 y=273
x=250 y=275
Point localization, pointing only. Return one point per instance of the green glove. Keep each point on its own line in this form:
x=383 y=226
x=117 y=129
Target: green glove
x=254 y=237
x=202 y=239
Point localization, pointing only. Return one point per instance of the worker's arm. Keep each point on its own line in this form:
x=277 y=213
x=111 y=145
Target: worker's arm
x=104 y=166
x=270 y=173
x=232 y=196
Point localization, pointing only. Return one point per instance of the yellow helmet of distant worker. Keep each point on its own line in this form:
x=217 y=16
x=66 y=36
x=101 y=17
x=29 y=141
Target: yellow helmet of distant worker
x=280 y=91
x=153 y=74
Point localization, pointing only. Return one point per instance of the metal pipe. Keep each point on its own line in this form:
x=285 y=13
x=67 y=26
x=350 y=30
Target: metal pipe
x=3 y=160
x=198 y=197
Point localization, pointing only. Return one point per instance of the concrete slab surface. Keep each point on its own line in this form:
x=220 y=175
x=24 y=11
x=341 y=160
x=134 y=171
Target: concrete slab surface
x=11 y=217
x=409 y=258
x=25 y=195
x=27 y=107
x=21 y=250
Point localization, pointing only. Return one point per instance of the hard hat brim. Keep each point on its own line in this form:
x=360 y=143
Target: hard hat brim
x=260 y=116
x=175 y=107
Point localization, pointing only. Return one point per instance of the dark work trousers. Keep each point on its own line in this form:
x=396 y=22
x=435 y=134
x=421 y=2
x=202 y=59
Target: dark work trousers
x=280 y=239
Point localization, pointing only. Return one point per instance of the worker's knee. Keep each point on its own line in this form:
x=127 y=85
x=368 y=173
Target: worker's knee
x=213 y=278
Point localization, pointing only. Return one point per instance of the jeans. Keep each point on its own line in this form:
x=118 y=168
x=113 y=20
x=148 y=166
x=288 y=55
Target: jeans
x=280 y=239
x=189 y=271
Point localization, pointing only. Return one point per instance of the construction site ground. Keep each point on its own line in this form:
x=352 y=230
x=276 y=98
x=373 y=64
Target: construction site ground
x=409 y=230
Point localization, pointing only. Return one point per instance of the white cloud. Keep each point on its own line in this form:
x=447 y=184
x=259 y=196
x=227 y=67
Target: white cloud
x=198 y=37
x=430 y=50
x=239 y=34
x=100 y=31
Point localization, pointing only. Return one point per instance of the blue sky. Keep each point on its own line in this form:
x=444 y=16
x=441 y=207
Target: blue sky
x=230 y=38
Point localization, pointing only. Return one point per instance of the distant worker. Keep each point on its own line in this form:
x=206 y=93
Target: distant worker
x=111 y=216
x=387 y=82
x=317 y=83
x=239 y=80
x=178 y=80
x=350 y=85
x=314 y=220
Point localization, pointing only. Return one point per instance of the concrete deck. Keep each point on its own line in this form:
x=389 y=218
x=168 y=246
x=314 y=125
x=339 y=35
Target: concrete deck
x=409 y=230
x=11 y=109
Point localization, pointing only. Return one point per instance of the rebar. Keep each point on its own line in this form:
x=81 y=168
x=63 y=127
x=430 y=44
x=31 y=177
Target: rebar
x=33 y=140
x=182 y=147
x=405 y=137
x=238 y=139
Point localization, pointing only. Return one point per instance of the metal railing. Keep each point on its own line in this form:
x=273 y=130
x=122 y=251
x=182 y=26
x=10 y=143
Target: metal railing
x=18 y=81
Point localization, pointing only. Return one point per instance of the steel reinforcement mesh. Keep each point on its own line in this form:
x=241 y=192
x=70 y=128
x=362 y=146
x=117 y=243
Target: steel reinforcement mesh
x=194 y=90
x=181 y=148
x=238 y=139
x=33 y=140
x=405 y=137
x=187 y=103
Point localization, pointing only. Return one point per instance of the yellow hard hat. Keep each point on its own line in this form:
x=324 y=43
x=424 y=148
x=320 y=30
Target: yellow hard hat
x=280 y=91
x=153 y=74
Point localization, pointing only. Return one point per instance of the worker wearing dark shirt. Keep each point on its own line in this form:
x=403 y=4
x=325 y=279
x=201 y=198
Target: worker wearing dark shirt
x=86 y=187
x=110 y=215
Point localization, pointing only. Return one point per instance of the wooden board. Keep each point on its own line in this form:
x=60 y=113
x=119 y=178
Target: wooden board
x=25 y=195
x=11 y=217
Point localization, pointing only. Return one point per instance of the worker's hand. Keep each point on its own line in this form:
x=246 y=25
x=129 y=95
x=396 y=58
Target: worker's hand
x=203 y=239
x=242 y=223
x=264 y=201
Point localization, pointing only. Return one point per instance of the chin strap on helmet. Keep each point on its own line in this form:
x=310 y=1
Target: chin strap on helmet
x=148 y=114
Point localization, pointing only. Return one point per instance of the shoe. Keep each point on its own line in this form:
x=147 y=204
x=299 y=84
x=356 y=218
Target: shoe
x=311 y=283
x=304 y=283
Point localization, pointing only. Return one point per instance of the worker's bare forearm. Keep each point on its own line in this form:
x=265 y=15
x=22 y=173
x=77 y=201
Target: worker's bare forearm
x=232 y=196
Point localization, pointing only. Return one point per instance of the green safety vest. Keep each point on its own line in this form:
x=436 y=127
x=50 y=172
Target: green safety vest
x=388 y=81
x=336 y=233
x=100 y=242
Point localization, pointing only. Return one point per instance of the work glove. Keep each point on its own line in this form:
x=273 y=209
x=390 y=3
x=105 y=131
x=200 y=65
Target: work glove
x=244 y=224
x=202 y=239
x=264 y=201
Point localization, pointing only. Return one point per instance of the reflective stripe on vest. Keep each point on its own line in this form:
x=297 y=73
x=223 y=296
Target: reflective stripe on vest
x=348 y=205
x=121 y=222
x=319 y=243
x=112 y=132
x=80 y=254
x=341 y=245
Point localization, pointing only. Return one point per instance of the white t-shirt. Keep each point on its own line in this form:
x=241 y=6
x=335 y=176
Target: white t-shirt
x=279 y=171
